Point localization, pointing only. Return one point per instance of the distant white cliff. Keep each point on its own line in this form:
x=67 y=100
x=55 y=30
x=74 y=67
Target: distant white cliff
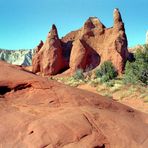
x=17 y=57
x=147 y=37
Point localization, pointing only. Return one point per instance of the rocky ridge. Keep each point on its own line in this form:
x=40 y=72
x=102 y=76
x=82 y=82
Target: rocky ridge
x=17 y=57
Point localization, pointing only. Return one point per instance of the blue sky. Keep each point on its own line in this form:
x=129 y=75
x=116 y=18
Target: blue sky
x=23 y=23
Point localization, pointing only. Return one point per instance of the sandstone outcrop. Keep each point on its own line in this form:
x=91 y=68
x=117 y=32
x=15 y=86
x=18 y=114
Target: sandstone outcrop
x=48 y=59
x=86 y=48
x=37 y=113
x=83 y=56
x=108 y=43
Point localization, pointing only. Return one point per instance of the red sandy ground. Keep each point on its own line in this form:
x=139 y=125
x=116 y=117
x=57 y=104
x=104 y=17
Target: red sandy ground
x=131 y=101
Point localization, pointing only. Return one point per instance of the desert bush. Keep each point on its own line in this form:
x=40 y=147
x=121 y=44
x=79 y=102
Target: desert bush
x=106 y=71
x=137 y=71
x=110 y=83
x=94 y=82
x=79 y=75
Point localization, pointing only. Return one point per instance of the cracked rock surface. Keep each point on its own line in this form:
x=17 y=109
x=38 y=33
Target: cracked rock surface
x=39 y=113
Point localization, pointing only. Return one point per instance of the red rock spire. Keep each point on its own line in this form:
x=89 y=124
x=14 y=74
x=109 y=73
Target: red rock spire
x=118 y=20
x=53 y=32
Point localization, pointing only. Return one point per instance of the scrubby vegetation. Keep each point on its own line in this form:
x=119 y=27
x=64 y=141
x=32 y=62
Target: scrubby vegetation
x=105 y=81
x=79 y=75
x=106 y=72
x=137 y=71
x=75 y=80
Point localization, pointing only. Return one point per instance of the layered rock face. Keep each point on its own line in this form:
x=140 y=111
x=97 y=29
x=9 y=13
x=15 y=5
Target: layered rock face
x=39 y=113
x=17 y=57
x=85 y=48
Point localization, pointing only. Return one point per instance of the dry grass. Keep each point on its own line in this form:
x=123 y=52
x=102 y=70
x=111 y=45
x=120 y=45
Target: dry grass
x=114 y=88
x=135 y=96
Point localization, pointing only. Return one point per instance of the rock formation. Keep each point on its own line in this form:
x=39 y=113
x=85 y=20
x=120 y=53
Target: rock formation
x=37 y=49
x=85 y=48
x=17 y=57
x=48 y=58
x=109 y=43
x=83 y=56
x=36 y=113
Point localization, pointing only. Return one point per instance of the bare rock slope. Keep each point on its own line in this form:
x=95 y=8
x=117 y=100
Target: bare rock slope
x=40 y=113
x=85 y=48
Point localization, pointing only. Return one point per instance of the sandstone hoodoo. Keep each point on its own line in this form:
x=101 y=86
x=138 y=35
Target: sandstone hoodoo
x=85 y=48
x=48 y=56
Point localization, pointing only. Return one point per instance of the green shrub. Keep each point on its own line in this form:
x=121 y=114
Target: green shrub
x=137 y=71
x=79 y=75
x=110 y=83
x=106 y=71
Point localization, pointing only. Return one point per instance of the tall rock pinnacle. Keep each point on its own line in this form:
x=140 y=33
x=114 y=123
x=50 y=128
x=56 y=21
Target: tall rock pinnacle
x=53 y=34
x=117 y=16
x=118 y=24
x=49 y=58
